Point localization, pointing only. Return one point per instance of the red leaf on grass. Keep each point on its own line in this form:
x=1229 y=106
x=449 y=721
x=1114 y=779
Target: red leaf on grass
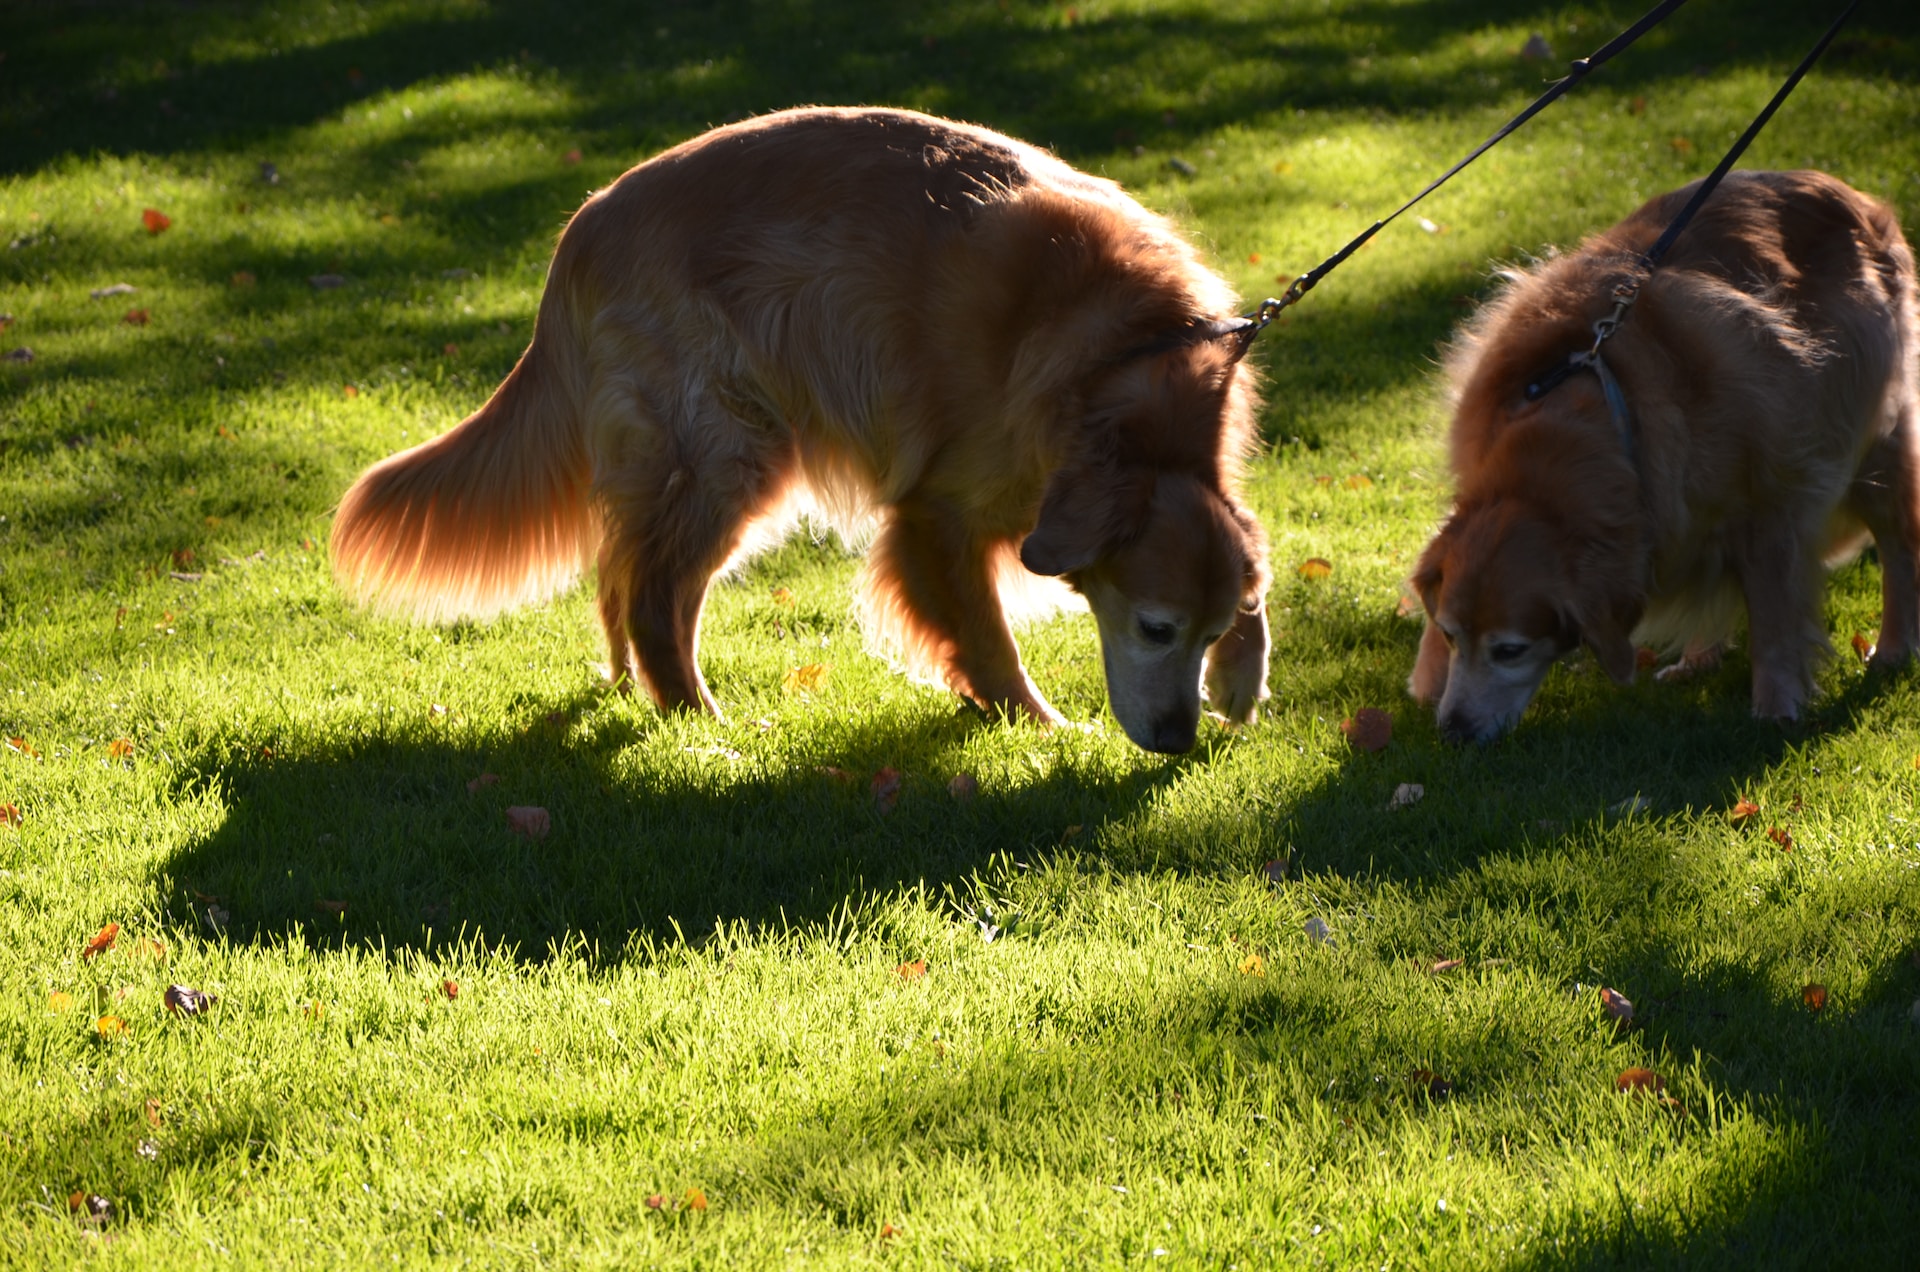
x=655 y=1201
x=120 y=749
x=450 y=350
x=696 y=1200
x=10 y=815
x=155 y=220
x=1741 y=811
x=351 y=390
x=912 y=971
x=529 y=820
x=102 y=941
x=136 y=318
x=1780 y=837
x=1369 y=729
x=450 y=989
x=21 y=746
x=1617 y=1005
x=1815 y=997
x=571 y=157
x=885 y=788
x=1862 y=646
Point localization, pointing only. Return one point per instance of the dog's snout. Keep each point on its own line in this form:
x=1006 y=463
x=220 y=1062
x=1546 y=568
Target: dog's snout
x=1173 y=735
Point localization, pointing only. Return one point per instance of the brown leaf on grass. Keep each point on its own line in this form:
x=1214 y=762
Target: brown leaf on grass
x=1446 y=965
x=102 y=941
x=837 y=773
x=1638 y=106
x=479 y=783
x=1645 y=659
x=1617 y=1005
x=1742 y=811
x=1358 y=481
x=147 y=947
x=1862 y=646
x=91 y=1207
x=1314 y=568
x=1253 y=965
x=1640 y=1080
x=783 y=596
x=351 y=390
x=655 y=1201
x=10 y=815
x=696 y=1200
x=888 y=1232
x=1436 y=1087
x=182 y=1001
x=1276 y=870
x=155 y=220
x=331 y=907
x=450 y=350
x=1814 y=997
x=153 y=1112
x=450 y=988
x=110 y=1026
x=804 y=679
x=1368 y=729
x=529 y=820
x=1406 y=795
x=885 y=789
x=20 y=746
x=1681 y=146
x=571 y=157
x=1780 y=837
x=137 y=318
x=963 y=787
x=120 y=749
x=912 y=971
x=242 y=278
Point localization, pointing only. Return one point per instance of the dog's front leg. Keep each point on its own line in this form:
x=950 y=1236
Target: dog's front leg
x=1237 y=668
x=1429 y=679
x=1781 y=580
x=940 y=577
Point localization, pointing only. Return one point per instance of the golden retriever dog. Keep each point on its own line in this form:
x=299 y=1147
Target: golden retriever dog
x=1012 y=367
x=1762 y=422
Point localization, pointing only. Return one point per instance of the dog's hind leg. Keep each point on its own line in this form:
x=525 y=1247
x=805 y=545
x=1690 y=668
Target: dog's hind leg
x=931 y=586
x=1886 y=495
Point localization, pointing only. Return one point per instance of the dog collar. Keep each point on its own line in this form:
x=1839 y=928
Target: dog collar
x=1238 y=331
x=1590 y=360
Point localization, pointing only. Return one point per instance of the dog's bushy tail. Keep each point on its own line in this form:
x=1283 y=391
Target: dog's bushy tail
x=493 y=514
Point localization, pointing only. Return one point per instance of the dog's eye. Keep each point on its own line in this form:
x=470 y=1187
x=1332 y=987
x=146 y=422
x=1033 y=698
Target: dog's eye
x=1158 y=633
x=1508 y=651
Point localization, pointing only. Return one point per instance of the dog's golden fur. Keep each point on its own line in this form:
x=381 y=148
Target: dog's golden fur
x=865 y=312
x=1770 y=370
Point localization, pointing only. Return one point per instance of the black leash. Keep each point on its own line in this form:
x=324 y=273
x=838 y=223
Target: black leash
x=1627 y=292
x=1245 y=329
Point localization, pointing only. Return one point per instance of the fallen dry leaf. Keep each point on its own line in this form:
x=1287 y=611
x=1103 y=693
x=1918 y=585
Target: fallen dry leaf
x=912 y=971
x=696 y=1200
x=91 y=1207
x=1638 y=106
x=963 y=787
x=804 y=679
x=155 y=220
x=153 y=1112
x=113 y=289
x=482 y=781
x=1742 y=811
x=783 y=596
x=450 y=988
x=242 y=278
x=59 y=1001
x=1638 y=1079
x=1253 y=965
x=1315 y=568
x=331 y=907
x=110 y=1026
x=1814 y=997
x=885 y=789
x=1276 y=870
x=1681 y=146
x=1358 y=481
x=529 y=820
x=1780 y=837
x=1616 y=1004
x=1436 y=1087
x=1368 y=729
x=326 y=282
x=182 y=1001
x=1406 y=795
x=351 y=390
x=1446 y=965
x=888 y=1232
x=10 y=815
x=1862 y=646
x=450 y=350
x=21 y=746
x=137 y=318
x=655 y=1201
x=119 y=749
x=571 y=157
x=102 y=941
x=150 y=948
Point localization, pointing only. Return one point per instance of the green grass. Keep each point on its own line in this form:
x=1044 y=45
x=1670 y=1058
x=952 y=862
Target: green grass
x=691 y=983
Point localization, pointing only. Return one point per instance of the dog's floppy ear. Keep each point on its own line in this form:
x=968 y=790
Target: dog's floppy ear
x=1087 y=508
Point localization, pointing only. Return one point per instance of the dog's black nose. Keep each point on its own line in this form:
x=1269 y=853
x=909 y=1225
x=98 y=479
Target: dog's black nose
x=1457 y=730
x=1173 y=735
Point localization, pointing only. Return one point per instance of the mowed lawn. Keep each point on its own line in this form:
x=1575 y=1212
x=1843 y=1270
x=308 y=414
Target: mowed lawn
x=1053 y=1002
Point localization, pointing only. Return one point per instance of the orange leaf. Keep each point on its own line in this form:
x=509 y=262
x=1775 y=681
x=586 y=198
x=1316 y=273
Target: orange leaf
x=1369 y=729
x=1815 y=997
x=1253 y=965
x=1780 y=837
x=804 y=679
x=450 y=350
x=1681 y=146
x=242 y=278
x=696 y=1200
x=102 y=941
x=1741 y=811
x=152 y=949
x=450 y=989
x=119 y=749
x=885 y=788
x=10 y=815
x=1359 y=481
x=23 y=747
x=1862 y=646
x=912 y=971
x=110 y=1026
x=571 y=157
x=1315 y=568
x=59 y=1001
x=655 y=1201
x=136 y=318
x=529 y=820
x=1636 y=1079
x=351 y=390
x=888 y=1232
x=783 y=596
x=153 y=1112
x=1408 y=606
x=155 y=220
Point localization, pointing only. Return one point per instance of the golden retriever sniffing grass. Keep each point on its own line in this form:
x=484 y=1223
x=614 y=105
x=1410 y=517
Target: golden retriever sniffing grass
x=871 y=313
x=1764 y=423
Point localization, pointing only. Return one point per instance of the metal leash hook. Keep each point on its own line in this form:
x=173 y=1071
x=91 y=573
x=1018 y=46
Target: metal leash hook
x=1624 y=294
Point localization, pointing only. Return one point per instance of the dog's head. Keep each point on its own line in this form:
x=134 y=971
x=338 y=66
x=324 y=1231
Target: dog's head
x=1166 y=564
x=1510 y=588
